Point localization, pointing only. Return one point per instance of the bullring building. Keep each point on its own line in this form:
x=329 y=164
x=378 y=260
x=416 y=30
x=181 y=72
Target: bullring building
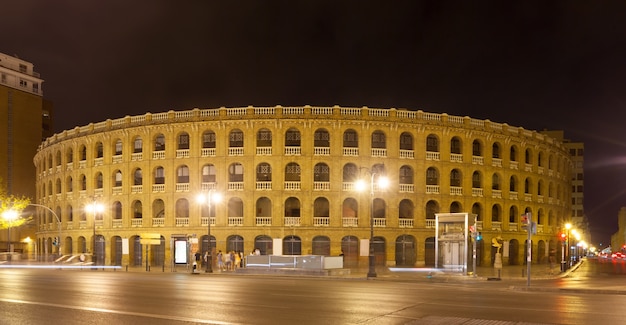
x=287 y=178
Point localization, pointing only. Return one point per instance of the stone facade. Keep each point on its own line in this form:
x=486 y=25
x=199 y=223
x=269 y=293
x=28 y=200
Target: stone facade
x=287 y=177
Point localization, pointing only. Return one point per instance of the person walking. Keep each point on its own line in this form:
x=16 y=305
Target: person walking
x=220 y=261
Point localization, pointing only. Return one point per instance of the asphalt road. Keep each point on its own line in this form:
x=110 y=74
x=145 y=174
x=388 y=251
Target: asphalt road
x=34 y=296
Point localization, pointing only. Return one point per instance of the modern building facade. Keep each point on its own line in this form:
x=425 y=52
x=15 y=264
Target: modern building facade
x=25 y=120
x=287 y=177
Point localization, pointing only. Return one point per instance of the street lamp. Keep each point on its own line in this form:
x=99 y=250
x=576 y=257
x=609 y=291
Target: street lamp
x=9 y=216
x=58 y=221
x=568 y=226
x=208 y=198
x=383 y=182
x=94 y=208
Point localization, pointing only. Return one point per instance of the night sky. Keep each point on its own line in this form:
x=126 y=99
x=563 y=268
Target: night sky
x=538 y=65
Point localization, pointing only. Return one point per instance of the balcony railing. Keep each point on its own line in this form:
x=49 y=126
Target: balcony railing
x=431 y=155
x=263 y=185
x=350 y=222
x=430 y=223
x=207 y=152
x=264 y=151
x=292 y=151
x=351 y=152
x=263 y=221
x=405 y=223
x=380 y=222
x=321 y=221
x=136 y=222
x=292 y=186
x=204 y=221
x=292 y=221
x=158 y=222
x=235 y=221
x=182 y=222
x=321 y=186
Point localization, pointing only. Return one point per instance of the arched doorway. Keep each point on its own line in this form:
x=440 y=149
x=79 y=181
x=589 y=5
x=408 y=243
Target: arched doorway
x=116 y=250
x=321 y=246
x=541 y=252
x=429 y=251
x=292 y=245
x=234 y=243
x=99 y=251
x=380 y=250
x=157 y=253
x=135 y=251
x=264 y=244
x=513 y=252
x=406 y=250
x=350 y=250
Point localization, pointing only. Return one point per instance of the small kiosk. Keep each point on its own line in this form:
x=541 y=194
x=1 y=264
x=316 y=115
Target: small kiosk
x=452 y=240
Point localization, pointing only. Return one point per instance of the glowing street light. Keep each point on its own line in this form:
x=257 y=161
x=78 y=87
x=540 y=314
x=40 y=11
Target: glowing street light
x=208 y=198
x=9 y=215
x=94 y=208
x=382 y=183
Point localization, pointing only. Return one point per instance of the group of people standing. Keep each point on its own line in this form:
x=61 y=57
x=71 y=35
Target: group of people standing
x=229 y=261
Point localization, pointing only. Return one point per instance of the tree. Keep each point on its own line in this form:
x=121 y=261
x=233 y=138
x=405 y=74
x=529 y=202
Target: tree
x=11 y=202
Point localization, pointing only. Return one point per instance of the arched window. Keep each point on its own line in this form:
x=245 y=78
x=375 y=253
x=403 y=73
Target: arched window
x=264 y=138
x=208 y=140
x=456 y=146
x=183 y=141
x=137 y=145
x=321 y=173
x=159 y=175
x=495 y=182
x=235 y=139
x=159 y=142
x=432 y=176
x=406 y=141
x=182 y=174
x=379 y=140
x=235 y=172
x=137 y=210
x=117 y=210
x=118 y=147
x=350 y=139
x=292 y=172
x=137 y=177
x=495 y=151
x=432 y=143
x=117 y=178
x=476 y=180
x=321 y=138
x=477 y=148
x=263 y=172
x=208 y=173
x=455 y=178
x=292 y=138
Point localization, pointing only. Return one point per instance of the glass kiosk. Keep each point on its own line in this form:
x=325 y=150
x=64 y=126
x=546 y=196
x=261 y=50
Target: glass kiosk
x=452 y=240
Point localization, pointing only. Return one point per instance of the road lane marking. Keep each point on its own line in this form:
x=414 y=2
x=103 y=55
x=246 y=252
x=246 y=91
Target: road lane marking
x=118 y=312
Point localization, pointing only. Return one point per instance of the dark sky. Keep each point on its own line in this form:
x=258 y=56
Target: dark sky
x=538 y=65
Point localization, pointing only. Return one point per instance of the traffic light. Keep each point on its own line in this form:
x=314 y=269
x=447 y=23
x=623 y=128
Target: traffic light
x=479 y=236
x=563 y=237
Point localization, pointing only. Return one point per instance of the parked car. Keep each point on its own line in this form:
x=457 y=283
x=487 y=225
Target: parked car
x=618 y=255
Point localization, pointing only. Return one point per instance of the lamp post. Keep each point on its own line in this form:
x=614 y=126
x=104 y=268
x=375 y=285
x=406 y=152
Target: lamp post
x=208 y=198
x=568 y=226
x=94 y=208
x=383 y=182
x=58 y=221
x=9 y=216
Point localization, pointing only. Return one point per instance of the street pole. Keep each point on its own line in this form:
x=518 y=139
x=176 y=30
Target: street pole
x=371 y=273
x=58 y=221
x=209 y=261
